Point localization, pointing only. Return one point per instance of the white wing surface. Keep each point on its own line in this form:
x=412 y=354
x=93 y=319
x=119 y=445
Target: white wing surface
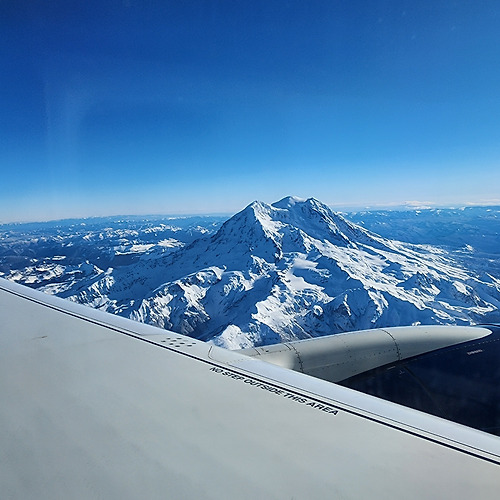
x=97 y=406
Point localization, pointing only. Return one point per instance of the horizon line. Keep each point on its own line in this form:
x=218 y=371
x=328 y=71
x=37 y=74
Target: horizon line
x=342 y=208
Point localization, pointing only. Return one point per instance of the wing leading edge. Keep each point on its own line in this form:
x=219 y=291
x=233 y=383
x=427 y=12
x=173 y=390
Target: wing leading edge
x=94 y=405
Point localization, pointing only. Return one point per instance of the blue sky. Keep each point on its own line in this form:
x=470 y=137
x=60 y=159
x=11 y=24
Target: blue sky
x=136 y=107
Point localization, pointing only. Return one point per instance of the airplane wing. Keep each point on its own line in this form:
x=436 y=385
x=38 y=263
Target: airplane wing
x=97 y=406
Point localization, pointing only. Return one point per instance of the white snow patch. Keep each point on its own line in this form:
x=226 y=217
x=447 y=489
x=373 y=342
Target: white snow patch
x=170 y=243
x=460 y=287
x=232 y=338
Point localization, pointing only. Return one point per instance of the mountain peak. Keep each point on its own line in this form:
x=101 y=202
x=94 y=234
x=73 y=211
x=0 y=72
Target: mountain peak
x=289 y=225
x=294 y=202
x=288 y=202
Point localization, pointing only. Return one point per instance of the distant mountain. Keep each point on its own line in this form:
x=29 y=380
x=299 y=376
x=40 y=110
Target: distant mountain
x=476 y=226
x=55 y=256
x=286 y=271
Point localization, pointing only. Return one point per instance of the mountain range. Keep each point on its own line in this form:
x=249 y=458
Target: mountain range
x=291 y=270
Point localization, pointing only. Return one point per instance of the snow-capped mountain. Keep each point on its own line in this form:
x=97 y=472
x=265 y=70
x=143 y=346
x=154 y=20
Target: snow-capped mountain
x=291 y=270
x=56 y=256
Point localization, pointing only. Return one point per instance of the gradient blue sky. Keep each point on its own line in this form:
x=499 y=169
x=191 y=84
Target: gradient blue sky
x=134 y=107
